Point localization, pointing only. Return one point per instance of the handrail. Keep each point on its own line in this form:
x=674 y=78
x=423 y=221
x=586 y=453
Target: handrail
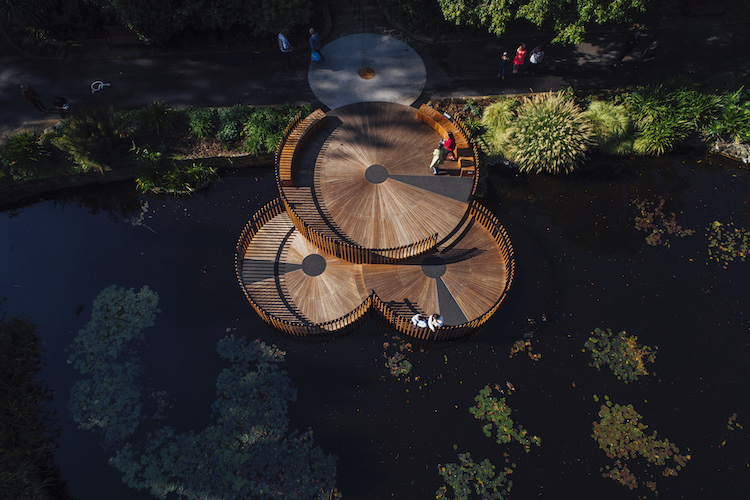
x=350 y=252
x=265 y=214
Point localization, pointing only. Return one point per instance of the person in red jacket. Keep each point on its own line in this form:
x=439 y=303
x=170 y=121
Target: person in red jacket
x=450 y=146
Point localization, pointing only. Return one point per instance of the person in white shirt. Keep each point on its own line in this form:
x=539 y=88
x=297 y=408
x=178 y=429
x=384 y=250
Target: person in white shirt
x=418 y=320
x=435 y=322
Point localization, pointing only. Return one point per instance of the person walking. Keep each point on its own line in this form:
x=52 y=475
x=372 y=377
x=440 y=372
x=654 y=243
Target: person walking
x=28 y=93
x=315 y=53
x=537 y=54
x=285 y=47
x=503 y=65
x=630 y=45
x=438 y=156
x=520 y=58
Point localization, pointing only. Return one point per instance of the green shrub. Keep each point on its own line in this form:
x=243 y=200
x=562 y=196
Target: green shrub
x=263 y=129
x=230 y=124
x=23 y=155
x=611 y=126
x=550 y=133
x=157 y=118
x=203 y=122
x=93 y=138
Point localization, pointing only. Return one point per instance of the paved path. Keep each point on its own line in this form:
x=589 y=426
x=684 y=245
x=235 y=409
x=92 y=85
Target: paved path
x=692 y=45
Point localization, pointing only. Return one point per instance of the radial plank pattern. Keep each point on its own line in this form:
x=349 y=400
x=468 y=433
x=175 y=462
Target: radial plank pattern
x=372 y=183
x=461 y=282
x=292 y=280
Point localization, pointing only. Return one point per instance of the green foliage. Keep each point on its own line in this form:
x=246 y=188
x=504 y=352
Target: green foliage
x=727 y=243
x=468 y=476
x=231 y=121
x=158 y=22
x=496 y=413
x=27 y=429
x=496 y=119
x=110 y=399
x=550 y=134
x=262 y=130
x=611 y=127
x=622 y=436
x=203 y=122
x=157 y=119
x=652 y=219
x=23 y=155
x=248 y=452
x=22 y=13
x=175 y=178
x=621 y=352
x=93 y=139
x=734 y=119
x=568 y=18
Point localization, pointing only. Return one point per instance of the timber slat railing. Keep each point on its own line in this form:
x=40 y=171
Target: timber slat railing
x=265 y=214
x=293 y=136
x=442 y=124
x=347 y=251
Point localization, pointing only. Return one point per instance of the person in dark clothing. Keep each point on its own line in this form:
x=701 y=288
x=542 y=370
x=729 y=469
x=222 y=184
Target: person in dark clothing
x=315 y=44
x=630 y=45
x=28 y=93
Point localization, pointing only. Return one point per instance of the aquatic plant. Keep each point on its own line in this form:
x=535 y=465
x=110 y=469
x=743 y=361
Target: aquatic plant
x=397 y=364
x=621 y=352
x=732 y=423
x=110 y=398
x=467 y=477
x=727 y=243
x=496 y=413
x=622 y=436
x=22 y=155
x=549 y=134
x=651 y=219
x=247 y=452
x=524 y=345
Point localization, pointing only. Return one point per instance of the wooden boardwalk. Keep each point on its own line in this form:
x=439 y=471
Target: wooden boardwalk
x=358 y=178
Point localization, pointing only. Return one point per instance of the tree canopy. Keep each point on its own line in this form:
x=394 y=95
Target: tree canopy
x=568 y=18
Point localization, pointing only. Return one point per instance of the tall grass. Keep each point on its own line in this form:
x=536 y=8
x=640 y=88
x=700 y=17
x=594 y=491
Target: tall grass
x=495 y=120
x=550 y=133
x=22 y=155
x=93 y=138
x=613 y=130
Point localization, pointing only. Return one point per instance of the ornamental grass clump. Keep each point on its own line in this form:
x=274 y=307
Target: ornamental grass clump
x=550 y=133
x=622 y=353
x=496 y=413
x=22 y=155
x=612 y=127
x=623 y=438
x=495 y=120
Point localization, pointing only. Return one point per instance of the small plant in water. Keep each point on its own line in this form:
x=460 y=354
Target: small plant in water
x=137 y=220
x=727 y=243
x=496 y=413
x=467 y=476
x=622 y=353
x=397 y=363
x=652 y=219
x=622 y=437
x=524 y=346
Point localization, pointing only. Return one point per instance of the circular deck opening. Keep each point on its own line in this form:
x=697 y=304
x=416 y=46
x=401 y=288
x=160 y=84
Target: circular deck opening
x=376 y=173
x=366 y=73
x=433 y=266
x=313 y=265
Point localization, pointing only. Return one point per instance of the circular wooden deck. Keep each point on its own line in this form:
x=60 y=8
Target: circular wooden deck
x=369 y=181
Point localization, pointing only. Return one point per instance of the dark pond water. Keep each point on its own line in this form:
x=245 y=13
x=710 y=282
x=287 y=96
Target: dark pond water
x=581 y=265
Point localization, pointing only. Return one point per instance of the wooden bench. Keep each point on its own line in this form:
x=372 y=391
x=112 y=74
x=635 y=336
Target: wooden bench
x=120 y=35
x=442 y=125
x=286 y=156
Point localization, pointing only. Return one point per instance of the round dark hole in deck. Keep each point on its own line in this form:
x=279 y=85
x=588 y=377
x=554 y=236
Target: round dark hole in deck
x=376 y=173
x=313 y=265
x=433 y=266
